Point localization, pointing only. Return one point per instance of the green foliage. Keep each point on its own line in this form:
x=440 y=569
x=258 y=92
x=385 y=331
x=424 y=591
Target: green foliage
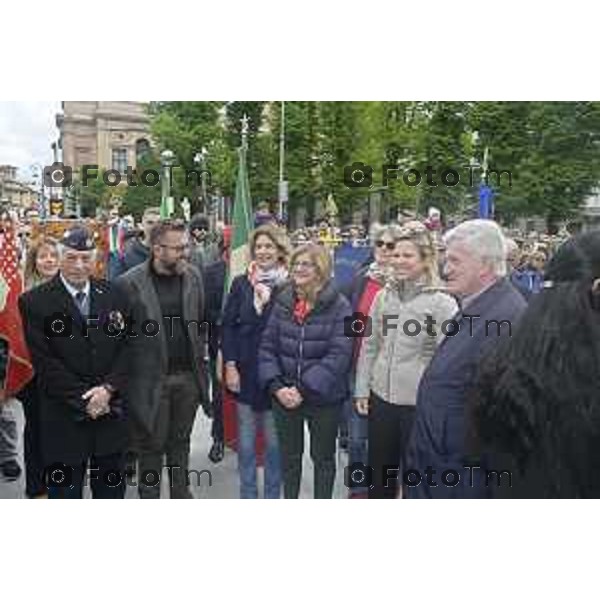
x=550 y=149
x=96 y=195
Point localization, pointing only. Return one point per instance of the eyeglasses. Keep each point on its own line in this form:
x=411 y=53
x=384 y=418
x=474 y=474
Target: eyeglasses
x=387 y=245
x=176 y=248
x=303 y=264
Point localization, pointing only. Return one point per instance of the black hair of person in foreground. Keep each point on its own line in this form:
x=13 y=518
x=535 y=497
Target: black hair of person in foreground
x=536 y=411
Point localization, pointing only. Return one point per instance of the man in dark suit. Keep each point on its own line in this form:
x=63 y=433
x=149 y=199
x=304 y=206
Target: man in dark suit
x=75 y=330
x=167 y=374
x=438 y=464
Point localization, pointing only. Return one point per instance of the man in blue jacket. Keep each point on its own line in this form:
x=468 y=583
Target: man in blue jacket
x=437 y=463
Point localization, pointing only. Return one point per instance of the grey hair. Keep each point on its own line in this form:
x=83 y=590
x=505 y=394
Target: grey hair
x=511 y=246
x=484 y=239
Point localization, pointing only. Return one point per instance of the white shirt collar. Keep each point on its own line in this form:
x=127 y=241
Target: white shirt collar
x=73 y=291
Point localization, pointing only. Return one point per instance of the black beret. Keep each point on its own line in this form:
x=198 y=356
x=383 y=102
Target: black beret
x=78 y=238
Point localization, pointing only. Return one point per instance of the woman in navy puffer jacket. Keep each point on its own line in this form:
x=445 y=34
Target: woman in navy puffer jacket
x=304 y=359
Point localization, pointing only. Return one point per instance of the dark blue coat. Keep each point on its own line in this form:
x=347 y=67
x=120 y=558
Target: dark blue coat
x=214 y=287
x=242 y=329
x=439 y=434
x=314 y=356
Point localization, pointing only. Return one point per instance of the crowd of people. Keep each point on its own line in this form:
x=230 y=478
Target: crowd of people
x=437 y=360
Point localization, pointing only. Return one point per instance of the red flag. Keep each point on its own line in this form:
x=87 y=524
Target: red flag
x=18 y=368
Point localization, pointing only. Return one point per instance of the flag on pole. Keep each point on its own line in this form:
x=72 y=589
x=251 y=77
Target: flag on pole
x=17 y=369
x=238 y=260
x=241 y=223
x=116 y=239
x=164 y=208
x=486 y=202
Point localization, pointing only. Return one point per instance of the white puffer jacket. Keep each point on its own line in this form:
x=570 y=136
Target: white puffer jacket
x=393 y=358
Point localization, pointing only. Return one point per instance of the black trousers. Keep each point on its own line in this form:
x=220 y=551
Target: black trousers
x=217 y=428
x=390 y=426
x=106 y=479
x=34 y=464
x=323 y=422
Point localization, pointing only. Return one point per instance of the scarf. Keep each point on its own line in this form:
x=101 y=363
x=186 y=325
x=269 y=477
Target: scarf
x=301 y=310
x=376 y=273
x=263 y=281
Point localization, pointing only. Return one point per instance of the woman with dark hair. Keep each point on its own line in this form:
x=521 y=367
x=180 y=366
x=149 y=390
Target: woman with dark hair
x=536 y=410
x=245 y=315
x=304 y=358
x=362 y=293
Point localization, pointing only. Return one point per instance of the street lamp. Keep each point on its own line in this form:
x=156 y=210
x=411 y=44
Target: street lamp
x=166 y=206
x=282 y=190
x=200 y=162
x=38 y=171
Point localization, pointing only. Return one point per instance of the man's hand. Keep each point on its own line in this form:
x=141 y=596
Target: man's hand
x=362 y=406
x=297 y=396
x=98 y=399
x=289 y=397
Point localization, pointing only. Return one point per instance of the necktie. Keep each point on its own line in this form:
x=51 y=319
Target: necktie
x=80 y=298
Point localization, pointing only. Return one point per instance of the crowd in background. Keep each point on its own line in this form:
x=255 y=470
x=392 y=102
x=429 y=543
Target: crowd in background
x=301 y=337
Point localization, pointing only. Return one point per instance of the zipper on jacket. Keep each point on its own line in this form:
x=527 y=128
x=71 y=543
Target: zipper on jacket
x=300 y=354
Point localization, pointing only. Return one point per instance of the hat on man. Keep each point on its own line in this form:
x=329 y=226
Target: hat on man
x=78 y=238
x=199 y=221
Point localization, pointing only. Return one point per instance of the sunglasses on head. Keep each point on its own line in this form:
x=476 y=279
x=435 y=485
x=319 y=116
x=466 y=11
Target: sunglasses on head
x=387 y=245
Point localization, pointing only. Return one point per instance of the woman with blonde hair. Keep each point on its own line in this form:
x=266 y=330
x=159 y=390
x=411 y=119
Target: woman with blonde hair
x=304 y=359
x=247 y=309
x=406 y=318
x=41 y=265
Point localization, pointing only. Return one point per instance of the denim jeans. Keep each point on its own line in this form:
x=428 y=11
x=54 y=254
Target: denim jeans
x=249 y=422
x=8 y=431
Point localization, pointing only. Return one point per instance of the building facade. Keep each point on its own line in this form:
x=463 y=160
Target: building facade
x=111 y=135
x=15 y=193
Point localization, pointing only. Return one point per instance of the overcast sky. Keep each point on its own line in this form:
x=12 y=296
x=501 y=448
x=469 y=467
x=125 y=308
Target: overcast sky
x=27 y=130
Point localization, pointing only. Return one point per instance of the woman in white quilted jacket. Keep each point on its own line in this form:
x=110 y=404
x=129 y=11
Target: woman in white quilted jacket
x=407 y=317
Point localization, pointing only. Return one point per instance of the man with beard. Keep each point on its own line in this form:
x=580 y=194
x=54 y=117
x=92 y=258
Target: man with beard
x=137 y=250
x=167 y=373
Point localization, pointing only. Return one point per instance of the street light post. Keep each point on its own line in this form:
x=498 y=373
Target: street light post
x=166 y=207
x=283 y=185
x=39 y=172
x=200 y=161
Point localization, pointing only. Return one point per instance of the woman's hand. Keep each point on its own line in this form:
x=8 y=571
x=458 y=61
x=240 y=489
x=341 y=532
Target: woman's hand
x=232 y=378
x=362 y=406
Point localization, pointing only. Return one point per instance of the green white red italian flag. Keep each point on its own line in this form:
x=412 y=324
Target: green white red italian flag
x=241 y=223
